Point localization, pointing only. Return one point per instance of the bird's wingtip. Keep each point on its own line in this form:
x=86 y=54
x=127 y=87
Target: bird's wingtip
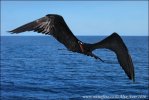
x=132 y=78
x=10 y=32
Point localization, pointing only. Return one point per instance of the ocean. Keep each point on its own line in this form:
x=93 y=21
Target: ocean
x=40 y=68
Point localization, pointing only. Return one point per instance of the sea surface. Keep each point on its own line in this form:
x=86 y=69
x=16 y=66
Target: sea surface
x=40 y=68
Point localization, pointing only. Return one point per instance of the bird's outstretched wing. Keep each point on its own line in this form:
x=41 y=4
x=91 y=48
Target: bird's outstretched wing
x=116 y=44
x=54 y=25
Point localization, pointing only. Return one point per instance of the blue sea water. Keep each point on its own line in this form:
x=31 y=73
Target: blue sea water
x=40 y=68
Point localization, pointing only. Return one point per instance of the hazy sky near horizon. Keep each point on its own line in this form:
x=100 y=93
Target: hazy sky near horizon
x=128 y=18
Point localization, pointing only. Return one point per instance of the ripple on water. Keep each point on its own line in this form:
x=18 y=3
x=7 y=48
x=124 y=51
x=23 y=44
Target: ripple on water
x=42 y=70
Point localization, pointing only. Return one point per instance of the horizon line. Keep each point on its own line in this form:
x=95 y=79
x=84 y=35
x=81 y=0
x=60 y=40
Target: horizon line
x=75 y=35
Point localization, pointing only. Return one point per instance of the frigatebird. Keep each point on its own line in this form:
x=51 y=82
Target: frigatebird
x=53 y=24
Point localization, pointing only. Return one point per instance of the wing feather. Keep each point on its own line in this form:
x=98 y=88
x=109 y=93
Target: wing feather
x=54 y=25
x=116 y=44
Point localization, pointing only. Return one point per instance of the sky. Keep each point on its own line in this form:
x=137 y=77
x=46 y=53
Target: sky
x=84 y=18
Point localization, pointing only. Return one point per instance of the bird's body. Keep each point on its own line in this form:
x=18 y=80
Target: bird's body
x=53 y=24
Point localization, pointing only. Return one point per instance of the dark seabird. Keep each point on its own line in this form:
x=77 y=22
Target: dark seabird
x=53 y=24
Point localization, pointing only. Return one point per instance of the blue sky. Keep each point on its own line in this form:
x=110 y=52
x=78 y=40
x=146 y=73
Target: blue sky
x=128 y=18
